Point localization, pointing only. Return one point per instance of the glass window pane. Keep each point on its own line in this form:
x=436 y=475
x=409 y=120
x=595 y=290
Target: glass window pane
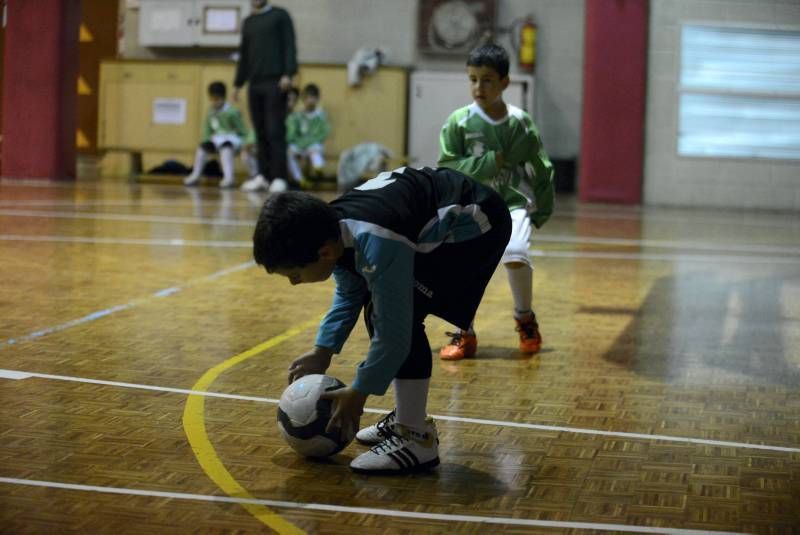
x=725 y=125
x=740 y=59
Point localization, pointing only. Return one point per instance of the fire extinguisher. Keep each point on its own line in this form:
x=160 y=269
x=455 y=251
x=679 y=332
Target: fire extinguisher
x=526 y=33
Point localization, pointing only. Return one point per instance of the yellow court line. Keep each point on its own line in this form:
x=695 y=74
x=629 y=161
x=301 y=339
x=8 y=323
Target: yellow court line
x=195 y=427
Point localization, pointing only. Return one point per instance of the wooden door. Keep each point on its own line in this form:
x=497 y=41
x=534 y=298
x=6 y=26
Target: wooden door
x=97 y=41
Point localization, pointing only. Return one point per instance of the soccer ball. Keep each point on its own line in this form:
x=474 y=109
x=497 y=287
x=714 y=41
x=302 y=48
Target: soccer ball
x=302 y=417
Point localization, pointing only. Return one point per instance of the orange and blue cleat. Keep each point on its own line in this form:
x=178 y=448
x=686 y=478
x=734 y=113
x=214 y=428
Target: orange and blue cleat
x=530 y=339
x=462 y=345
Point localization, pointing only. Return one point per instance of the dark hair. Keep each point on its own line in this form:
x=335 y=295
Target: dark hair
x=217 y=89
x=291 y=228
x=294 y=91
x=490 y=55
x=311 y=90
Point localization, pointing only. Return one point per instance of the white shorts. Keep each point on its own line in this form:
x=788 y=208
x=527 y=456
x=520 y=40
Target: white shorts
x=219 y=139
x=313 y=152
x=517 y=248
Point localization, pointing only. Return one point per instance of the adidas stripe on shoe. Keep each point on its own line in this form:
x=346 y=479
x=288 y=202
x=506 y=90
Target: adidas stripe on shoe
x=376 y=433
x=403 y=451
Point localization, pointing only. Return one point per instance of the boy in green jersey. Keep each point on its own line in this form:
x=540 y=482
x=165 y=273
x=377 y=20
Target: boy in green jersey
x=224 y=132
x=498 y=144
x=306 y=132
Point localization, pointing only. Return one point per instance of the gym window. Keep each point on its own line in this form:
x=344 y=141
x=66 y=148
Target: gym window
x=739 y=92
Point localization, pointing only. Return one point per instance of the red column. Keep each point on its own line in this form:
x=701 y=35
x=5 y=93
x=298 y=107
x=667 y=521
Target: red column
x=40 y=69
x=614 y=93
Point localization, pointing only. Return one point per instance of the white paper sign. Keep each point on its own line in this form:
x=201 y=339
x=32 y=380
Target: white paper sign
x=221 y=20
x=169 y=110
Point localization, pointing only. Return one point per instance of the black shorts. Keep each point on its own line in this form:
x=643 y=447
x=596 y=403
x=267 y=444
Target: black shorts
x=450 y=282
x=210 y=148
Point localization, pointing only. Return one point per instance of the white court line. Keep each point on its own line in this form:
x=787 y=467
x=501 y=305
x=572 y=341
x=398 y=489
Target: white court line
x=125 y=306
x=179 y=242
x=670 y=257
x=591 y=213
x=86 y=185
x=172 y=242
x=636 y=212
x=361 y=510
x=666 y=244
x=742 y=220
x=544 y=237
x=19 y=375
x=127 y=217
x=170 y=203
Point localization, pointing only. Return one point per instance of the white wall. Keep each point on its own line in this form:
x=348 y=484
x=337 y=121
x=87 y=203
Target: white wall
x=682 y=181
x=330 y=31
x=559 y=68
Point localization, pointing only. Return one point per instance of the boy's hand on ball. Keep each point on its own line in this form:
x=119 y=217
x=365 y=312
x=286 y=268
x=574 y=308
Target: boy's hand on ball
x=315 y=361
x=348 y=406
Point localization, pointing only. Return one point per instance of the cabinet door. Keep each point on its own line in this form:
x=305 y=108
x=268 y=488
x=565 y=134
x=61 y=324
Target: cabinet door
x=168 y=22
x=434 y=96
x=162 y=116
x=149 y=105
x=153 y=116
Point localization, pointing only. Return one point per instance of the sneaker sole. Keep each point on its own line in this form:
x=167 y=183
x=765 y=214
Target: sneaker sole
x=424 y=467
x=446 y=357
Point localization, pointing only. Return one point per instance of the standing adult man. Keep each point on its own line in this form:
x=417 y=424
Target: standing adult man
x=267 y=62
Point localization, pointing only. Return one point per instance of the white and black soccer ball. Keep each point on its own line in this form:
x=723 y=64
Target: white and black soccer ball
x=302 y=417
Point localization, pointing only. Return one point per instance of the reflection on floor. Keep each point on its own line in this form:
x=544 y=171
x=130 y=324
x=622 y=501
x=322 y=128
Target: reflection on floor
x=667 y=393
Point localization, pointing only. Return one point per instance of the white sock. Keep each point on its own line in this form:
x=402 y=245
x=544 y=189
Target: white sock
x=251 y=163
x=317 y=160
x=199 y=162
x=294 y=168
x=411 y=397
x=226 y=160
x=521 y=281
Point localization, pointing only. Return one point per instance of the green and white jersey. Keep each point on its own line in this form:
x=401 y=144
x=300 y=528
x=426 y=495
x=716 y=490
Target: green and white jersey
x=469 y=142
x=226 y=121
x=304 y=129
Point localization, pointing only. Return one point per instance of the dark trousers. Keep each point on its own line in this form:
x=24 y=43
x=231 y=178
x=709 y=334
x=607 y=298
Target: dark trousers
x=449 y=283
x=268 y=113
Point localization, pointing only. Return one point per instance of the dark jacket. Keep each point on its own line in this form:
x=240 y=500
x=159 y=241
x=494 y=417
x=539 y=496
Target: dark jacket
x=267 y=50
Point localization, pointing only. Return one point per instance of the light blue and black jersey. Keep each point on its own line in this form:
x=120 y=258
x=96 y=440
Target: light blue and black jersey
x=385 y=224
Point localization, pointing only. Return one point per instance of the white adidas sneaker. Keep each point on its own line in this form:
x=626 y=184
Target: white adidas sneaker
x=257 y=183
x=192 y=180
x=404 y=451
x=378 y=432
x=278 y=185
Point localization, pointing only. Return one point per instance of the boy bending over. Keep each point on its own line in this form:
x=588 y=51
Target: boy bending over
x=408 y=243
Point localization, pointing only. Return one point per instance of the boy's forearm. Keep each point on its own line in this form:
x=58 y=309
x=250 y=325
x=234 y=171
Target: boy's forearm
x=337 y=324
x=241 y=66
x=324 y=351
x=481 y=167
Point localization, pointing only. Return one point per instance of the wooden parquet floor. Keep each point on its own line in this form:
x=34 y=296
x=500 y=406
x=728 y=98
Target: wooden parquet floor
x=666 y=397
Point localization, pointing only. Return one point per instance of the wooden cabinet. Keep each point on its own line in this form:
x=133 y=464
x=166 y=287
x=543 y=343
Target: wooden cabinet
x=372 y=112
x=131 y=91
x=177 y=23
x=130 y=96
